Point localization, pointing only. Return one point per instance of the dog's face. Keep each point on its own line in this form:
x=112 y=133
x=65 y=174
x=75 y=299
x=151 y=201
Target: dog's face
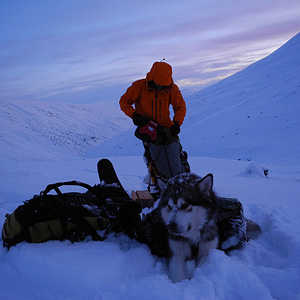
x=187 y=204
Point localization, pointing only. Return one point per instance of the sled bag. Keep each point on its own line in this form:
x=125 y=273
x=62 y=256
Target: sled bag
x=71 y=216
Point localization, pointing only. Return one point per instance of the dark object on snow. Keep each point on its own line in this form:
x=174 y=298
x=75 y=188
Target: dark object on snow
x=124 y=212
x=128 y=219
x=74 y=216
x=154 y=234
x=56 y=217
x=231 y=224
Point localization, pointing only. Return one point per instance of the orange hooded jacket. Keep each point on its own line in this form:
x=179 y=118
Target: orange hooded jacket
x=142 y=97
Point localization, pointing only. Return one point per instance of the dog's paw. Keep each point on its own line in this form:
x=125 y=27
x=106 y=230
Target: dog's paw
x=253 y=230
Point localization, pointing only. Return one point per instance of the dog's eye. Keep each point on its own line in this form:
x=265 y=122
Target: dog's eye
x=186 y=207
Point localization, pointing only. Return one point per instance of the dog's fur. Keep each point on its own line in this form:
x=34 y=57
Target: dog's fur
x=188 y=207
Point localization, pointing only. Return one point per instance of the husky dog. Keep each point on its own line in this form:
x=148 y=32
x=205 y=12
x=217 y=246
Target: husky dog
x=188 y=207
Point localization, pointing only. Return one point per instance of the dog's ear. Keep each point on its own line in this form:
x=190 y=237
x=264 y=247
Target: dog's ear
x=205 y=184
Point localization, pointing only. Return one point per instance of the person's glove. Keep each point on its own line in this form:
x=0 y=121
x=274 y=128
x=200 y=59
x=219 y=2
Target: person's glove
x=139 y=120
x=175 y=129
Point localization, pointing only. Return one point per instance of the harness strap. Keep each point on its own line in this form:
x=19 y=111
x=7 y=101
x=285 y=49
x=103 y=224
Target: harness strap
x=87 y=227
x=55 y=186
x=195 y=250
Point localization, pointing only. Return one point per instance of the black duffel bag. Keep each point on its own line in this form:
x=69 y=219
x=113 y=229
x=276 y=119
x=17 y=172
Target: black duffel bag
x=72 y=216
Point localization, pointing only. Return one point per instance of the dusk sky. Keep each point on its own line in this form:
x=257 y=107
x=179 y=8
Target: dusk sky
x=88 y=50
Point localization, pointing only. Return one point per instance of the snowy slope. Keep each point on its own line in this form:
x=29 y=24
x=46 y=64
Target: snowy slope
x=256 y=111
x=41 y=130
x=252 y=115
x=119 y=268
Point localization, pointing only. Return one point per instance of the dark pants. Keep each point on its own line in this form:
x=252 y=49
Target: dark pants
x=166 y=159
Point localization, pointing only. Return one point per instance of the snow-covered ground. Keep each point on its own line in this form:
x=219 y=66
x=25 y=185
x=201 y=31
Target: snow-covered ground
x=119 y=268
x=233 y=128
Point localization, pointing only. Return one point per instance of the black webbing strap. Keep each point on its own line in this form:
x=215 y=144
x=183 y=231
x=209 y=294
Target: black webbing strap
x=87 y=227
x=55 y=186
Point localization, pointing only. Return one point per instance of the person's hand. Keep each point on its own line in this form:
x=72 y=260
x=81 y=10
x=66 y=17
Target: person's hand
x=139 y=120
x=175 y=129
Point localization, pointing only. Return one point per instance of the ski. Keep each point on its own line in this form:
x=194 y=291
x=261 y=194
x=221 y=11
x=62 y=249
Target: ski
x=107 y=173
x=108 y=176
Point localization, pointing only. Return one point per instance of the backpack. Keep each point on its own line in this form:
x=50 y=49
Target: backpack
x=73 y=216
x=46 y=217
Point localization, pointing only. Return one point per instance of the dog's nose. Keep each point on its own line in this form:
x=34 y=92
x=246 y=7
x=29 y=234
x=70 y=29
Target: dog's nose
x=172 y=227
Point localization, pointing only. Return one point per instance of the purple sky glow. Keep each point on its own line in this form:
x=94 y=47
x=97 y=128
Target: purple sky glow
x=87 y=51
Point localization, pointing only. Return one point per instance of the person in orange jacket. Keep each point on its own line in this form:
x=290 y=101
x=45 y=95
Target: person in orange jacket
x=148 y=100
x=152 y=97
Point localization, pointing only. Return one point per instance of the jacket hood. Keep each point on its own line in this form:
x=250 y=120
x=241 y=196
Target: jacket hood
x=161 y=73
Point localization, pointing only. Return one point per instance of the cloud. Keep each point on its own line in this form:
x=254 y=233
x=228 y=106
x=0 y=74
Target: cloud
x=57 y=47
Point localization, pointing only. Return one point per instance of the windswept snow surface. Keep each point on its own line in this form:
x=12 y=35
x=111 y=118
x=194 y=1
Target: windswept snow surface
x=253 y=115
x=120 y=268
